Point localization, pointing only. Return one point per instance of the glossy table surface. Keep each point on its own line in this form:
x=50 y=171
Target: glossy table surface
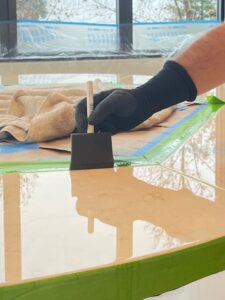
x=64 y=222
x=53 y=223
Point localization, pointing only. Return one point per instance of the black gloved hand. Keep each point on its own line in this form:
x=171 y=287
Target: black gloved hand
x=121 y=109
x=113 y=109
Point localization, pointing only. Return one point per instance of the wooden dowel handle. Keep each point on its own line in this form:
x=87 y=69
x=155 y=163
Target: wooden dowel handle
x=90 y=104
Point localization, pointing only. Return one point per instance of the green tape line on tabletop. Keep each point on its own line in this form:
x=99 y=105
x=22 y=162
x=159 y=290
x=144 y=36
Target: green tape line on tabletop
x=134 y=280
x=48 y=165
x=172 y=142
x=34 y=166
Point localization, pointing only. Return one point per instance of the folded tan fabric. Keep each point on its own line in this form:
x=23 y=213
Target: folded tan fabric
x=40 y=115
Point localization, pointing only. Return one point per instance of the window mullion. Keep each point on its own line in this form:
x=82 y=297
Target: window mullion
x=8 y=27
x=221 y=10
x=124 y=21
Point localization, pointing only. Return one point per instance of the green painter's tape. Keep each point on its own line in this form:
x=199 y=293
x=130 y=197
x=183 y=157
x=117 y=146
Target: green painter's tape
x=215 y=100
x=131 y=281
x=158 y=154
x=34 y=166
x=172 y=142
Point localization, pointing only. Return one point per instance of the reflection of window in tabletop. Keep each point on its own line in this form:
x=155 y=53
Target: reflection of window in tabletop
x=196 y=158
x=197 y=155
x=158 y=176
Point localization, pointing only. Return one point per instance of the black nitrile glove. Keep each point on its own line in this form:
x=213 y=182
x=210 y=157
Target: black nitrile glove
x=122 y=109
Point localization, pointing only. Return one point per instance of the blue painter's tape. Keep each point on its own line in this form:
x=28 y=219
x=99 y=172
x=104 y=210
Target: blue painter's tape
x=12 y=148
x=115 y=25
x=168 y=131
x=66 y=23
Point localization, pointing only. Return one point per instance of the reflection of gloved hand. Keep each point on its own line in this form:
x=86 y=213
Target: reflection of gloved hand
x=121 y=109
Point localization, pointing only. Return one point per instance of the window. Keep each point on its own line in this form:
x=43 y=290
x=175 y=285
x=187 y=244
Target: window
x=66 y=26
x=113 y=27
x=174 y=10
x=166 y=26
x=91 y=11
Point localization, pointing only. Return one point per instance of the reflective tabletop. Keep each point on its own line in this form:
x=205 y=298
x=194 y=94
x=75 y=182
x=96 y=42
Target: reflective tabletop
x=61 y=222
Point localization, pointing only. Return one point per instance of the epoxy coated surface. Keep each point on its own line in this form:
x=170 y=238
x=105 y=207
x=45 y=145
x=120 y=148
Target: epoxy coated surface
x=64 y=222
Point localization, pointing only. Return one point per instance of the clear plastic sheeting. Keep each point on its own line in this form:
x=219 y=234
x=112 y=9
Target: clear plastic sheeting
x=168 y=37
x=37 y=39
x=59 y=38
x=55 y=79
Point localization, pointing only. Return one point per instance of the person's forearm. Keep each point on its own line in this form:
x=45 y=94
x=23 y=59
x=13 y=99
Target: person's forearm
x=204 y=60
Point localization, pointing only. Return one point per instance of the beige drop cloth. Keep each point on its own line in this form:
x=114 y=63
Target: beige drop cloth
x=41 y=115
